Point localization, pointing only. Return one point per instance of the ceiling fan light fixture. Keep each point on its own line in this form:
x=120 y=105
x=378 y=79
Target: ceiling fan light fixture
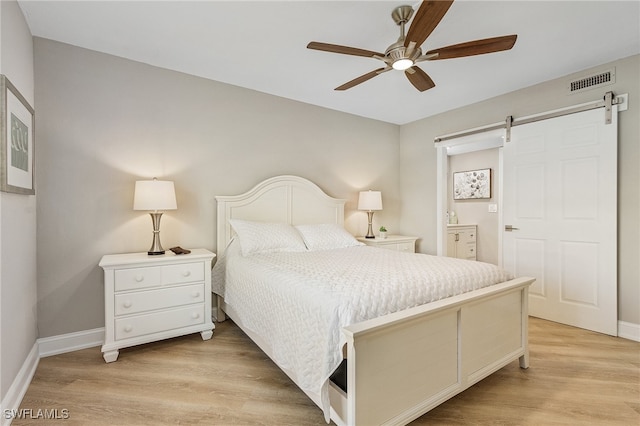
x=402 y=64
x=400 y=57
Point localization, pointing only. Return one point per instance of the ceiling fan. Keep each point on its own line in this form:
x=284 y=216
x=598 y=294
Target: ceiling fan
x=406 y=52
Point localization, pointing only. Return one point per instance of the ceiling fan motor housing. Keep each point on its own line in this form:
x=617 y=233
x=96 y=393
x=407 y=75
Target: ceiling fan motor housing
x=398 y=51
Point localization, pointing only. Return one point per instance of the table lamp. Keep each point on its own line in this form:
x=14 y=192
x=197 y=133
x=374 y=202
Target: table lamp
x=155 y=195
x=370 y=201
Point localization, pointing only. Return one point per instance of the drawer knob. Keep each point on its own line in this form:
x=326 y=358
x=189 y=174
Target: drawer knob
x=195 y=315
x=195 y=294
x=128 y=328
x=127 y=304
x=186 y=273
x=139 y=278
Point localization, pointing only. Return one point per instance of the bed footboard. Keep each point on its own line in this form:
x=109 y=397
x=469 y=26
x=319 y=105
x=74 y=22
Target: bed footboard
x=402 y=365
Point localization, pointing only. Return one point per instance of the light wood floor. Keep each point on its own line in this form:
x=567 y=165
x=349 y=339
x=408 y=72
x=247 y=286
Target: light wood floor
x=576 y=378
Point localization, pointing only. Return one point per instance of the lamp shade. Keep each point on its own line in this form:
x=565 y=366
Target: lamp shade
x=370 y=200
x=154 y=195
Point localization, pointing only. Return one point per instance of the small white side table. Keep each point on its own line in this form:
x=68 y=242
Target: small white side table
x=150 y=298
x=392 y=242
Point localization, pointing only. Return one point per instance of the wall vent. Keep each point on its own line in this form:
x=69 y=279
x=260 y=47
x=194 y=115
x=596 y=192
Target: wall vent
x=591 y=82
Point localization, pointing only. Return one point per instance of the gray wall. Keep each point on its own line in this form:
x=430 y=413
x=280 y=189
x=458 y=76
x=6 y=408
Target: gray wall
x=105 y=122
x=18 y=332
x=418 y=163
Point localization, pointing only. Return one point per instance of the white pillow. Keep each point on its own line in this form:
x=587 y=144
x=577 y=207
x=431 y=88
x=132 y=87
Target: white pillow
x=264 y=237
x=326 y=236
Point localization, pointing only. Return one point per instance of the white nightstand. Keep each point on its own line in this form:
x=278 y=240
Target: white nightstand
x=392 y=242
x=150 y=298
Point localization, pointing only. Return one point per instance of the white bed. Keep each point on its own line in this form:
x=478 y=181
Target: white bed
x=399 y=364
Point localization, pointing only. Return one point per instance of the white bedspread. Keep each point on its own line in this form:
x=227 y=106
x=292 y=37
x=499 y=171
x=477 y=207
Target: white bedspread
x=298 y=302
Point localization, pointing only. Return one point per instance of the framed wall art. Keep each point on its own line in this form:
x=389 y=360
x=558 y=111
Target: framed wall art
x=474 y=184
x=17 y=151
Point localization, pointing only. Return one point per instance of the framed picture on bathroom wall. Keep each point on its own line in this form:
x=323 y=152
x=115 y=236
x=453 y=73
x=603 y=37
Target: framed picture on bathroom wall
x=473 y=184
x=17 y=154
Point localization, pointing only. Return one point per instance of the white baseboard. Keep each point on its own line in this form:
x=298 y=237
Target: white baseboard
x=70 y=342
x=17 y=390
x=628 y=330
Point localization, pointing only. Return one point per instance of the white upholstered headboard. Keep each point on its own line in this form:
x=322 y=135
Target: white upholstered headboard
x=283 y=199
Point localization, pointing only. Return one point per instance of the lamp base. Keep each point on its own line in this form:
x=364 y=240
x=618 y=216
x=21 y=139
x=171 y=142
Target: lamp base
x=370 y=228
x=156 y=248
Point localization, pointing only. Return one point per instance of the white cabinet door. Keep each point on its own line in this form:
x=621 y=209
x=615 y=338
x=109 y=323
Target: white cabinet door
x=560 y=192
x=451 y=244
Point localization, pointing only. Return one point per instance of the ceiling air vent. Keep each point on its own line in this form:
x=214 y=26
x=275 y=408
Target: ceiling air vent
x=587 y=83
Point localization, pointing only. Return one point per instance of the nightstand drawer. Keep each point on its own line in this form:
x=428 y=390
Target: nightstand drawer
x=133 y=278
x=154 y=276
x=183 y=273
x=140 y=325
x=469 y=252
x=388 y=246
x=141 y=301
x=409 y=247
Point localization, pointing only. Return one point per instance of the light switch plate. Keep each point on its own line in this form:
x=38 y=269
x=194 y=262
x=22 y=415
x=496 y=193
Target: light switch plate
x=493 y=208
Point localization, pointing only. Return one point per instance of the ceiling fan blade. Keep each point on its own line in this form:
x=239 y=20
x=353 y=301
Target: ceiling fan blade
x=345 y=50
x=476 y=47
x=426 y=19
x=419 y=79
x=362 y=78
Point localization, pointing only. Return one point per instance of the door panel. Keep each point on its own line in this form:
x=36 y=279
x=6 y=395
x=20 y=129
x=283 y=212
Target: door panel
x=530 y=198
x=529 y=262
x=560 y=192
x=579 y=178
x=579 y=266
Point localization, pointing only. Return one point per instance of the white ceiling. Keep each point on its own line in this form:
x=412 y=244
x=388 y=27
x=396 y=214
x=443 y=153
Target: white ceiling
x=261 y=45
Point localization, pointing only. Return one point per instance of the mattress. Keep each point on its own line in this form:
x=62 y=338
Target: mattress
x=298 y=302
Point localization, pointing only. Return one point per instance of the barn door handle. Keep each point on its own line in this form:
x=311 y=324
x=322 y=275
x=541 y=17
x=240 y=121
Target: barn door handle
x=510 y=228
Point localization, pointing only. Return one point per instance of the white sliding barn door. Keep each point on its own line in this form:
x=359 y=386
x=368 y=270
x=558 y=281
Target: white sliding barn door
x=560 y=192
